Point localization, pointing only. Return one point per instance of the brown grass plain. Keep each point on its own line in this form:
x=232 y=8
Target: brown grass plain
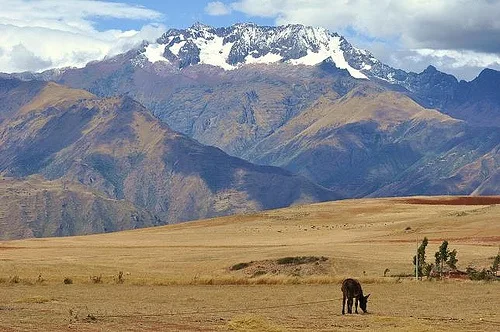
x=178 y=277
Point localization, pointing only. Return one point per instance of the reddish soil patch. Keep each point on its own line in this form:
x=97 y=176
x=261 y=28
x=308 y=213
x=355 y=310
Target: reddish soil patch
x=462 y=200
x=456 y=275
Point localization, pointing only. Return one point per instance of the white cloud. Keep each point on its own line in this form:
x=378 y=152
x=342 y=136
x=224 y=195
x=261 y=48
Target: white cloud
x=464 y=31
x=461 y=58
x=38 y=35
x=217 y=8
x=417 y=22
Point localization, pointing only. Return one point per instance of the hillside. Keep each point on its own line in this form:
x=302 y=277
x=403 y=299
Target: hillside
x=115 y=147
x=35 y=207
x=352 y=233
x=378 y=142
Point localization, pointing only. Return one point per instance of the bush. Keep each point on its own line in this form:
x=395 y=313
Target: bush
x=239 y=266
x=15 y=279
x=259 y=273
x=496 y=264
x=479 y=275
x=300 y=260
x=119 y=278
x=96 y=279
x=68 y=281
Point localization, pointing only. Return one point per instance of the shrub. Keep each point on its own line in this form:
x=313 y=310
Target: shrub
x=300 y=260
x=258 y=273
x=496 y=263
x=479 y=275
x=119 y=278
x=427 y=270
x=239 y=266
x=68 y=281
x=96 y=279
x=15 y=279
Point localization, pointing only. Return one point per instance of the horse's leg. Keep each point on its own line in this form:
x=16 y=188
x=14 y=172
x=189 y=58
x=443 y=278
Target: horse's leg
x=356 y=304
x=343 y=305
x=349 y=305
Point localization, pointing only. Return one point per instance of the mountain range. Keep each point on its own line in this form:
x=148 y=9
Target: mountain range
x=99 y=155
x=325 y=119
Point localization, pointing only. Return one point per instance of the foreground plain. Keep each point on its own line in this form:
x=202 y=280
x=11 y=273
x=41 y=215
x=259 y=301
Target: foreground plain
x=178 y=277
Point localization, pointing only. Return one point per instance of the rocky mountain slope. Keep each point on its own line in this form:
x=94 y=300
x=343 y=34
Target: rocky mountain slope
x=117 y=149
x=379 y=142
x=36 y=207
x=305 y=99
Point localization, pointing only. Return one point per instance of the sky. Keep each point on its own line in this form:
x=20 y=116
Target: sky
x=460 y=37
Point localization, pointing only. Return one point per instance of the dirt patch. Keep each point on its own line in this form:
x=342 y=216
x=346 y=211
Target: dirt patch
x=287 y=266
x=462 y=200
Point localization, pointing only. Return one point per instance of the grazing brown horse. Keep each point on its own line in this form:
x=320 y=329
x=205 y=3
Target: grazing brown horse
x=351 y=288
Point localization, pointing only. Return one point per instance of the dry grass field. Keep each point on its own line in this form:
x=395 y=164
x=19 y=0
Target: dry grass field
x=179 y=277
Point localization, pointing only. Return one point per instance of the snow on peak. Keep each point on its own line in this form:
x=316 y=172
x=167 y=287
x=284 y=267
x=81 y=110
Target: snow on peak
x=246 y=43
x=154 y=53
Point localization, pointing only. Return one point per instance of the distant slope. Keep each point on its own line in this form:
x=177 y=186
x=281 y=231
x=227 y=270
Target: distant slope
x=478 y=101
x=39 y=208
x=116 y=147
x=377 y=142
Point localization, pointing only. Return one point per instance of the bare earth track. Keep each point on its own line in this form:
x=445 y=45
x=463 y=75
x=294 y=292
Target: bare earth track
x=179 y=277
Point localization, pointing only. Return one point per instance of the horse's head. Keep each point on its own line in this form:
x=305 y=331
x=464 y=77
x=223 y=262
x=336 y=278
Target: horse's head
x=363 y=300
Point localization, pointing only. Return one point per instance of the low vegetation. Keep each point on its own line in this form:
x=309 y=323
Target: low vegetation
x=96 y=279
x=239 y=266
x=298 y=260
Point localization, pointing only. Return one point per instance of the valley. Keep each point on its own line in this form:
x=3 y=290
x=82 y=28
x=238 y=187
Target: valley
x=179 y=277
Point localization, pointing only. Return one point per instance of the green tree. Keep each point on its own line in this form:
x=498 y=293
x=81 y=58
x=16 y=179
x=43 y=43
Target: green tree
x=452 y=259
x=445 y=256
x=422 y=265
x=496 y=263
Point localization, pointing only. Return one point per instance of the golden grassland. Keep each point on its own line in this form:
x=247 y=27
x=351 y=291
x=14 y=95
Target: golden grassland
x=178 y=277
x=53 y=94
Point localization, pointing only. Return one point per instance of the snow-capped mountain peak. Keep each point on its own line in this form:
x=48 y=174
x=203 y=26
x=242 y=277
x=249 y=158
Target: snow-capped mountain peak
x=246 y=43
